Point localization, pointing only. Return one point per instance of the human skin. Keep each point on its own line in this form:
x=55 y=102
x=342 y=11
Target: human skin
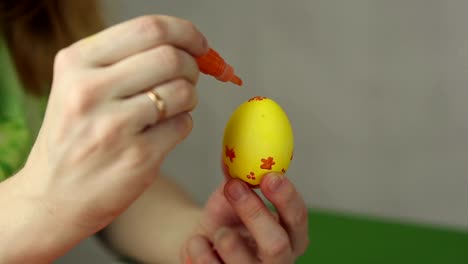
x=102 y=141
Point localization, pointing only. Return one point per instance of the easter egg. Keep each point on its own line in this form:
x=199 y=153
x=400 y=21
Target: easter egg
x=258 y=139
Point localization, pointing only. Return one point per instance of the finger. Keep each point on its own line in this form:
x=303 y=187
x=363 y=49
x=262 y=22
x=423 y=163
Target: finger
x=151 y=68
x=273 y=241
x=149 y=148
x=232 y=248
x=140 y=34
x=178 y=96
x=291 y=209
x=167 y=134
x=200 y=251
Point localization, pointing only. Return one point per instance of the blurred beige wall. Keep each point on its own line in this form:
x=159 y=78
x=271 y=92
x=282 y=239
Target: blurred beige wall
x=375 y=91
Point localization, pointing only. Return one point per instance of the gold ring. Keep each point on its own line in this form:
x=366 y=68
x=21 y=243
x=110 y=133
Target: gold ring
x=158 y=103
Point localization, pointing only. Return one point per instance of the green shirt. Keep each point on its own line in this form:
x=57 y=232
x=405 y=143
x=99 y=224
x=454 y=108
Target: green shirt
x=20 y=116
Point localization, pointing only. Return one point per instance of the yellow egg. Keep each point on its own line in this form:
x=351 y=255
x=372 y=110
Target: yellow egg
x=258 y=139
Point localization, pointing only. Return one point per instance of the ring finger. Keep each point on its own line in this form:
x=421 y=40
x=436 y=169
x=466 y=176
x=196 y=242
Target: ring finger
x=172 y=98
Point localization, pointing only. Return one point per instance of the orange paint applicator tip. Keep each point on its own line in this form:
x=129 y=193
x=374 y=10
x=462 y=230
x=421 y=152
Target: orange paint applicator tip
x=214 y=65
x=236 y=80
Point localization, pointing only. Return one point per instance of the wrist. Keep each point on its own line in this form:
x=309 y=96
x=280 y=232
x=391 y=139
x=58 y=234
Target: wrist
x=154 y=241
x=30 y=231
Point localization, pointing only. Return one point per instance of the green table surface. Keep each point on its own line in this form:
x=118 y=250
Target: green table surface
x=352 y=239
x=341 y=238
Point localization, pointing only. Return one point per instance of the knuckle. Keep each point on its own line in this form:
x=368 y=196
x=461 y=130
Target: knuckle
x=85 y=92
x=254 y=212
x=186 y=93
x=193 y=30
x=190 y=25
x=64 y=58
x=183 y=124
x=278 y=247
x=289 y=194
x=81 y=102
x=152 y=27
x=300 y=217
x=228 y=243
x=289 y=197
x=88 y=85
x=172 y=58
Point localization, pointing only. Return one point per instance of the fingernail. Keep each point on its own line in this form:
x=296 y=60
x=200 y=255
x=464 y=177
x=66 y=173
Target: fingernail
x=237 y=190
x=220 y=233
x=275 y=181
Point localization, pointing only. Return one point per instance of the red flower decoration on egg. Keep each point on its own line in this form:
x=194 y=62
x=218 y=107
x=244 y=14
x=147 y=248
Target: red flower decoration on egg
x=267 y=163
x=251 y=175
x=257 y=98
x=230 y=153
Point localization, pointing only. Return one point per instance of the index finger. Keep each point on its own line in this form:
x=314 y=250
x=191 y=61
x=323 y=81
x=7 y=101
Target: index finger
x=139 y=34
x=272 y=240
x=291 y=208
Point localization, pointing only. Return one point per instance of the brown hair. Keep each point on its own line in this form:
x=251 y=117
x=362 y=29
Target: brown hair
x=36 y=29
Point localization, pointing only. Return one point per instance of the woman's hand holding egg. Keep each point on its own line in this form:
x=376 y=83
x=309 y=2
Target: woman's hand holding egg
x=237 y=227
